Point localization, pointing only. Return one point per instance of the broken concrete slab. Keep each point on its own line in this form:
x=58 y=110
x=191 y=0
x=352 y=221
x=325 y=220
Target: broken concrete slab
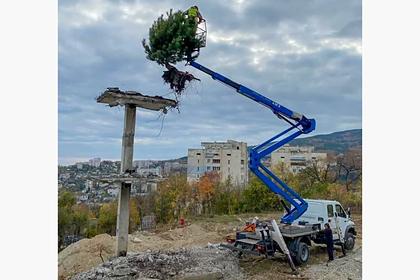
x=113 y=96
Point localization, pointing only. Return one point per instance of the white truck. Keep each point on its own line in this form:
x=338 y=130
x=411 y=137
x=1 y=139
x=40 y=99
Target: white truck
x=330 y=211
x=269 y=237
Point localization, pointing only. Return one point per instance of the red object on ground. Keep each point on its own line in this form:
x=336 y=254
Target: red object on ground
x=182 y=222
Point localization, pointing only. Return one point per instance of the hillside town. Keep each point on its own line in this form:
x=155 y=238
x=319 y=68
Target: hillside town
x=91 y=181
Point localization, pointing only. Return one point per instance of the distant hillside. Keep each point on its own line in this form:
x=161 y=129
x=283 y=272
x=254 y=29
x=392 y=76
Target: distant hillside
x=181 y=159
x=338 y=142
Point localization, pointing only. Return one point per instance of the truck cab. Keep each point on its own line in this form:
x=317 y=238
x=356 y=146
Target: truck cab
x=332 y=212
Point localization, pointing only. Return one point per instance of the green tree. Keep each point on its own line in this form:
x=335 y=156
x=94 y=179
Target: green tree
x=171 y=38
x=66 y=201
x=134 y=216
x=81 y=216
x=226 y=198
x=107 y=219
x=258 y=197
x=171 y=198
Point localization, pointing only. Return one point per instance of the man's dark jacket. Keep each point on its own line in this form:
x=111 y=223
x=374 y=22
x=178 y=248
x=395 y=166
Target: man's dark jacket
x=329 y=237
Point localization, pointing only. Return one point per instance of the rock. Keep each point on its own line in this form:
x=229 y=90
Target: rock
x=123 y=272
x=136 y=240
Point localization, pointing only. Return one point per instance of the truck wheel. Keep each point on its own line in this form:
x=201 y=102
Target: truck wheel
x=349 y=241
x=302 y=255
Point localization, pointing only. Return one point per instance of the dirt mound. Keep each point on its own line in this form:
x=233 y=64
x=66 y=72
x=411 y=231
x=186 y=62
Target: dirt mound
x=205 y=263
x=193 y=235
x=85 y=254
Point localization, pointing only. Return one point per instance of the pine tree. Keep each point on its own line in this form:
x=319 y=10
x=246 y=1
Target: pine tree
x=172 y=39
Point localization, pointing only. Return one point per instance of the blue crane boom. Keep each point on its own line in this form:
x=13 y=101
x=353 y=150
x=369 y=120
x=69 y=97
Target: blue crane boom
x=299 y=124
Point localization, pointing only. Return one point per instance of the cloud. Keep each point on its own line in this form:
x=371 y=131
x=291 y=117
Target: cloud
x=305 y=55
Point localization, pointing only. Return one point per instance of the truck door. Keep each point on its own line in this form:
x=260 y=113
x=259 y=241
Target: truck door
x=332 y=221
x=341 y=220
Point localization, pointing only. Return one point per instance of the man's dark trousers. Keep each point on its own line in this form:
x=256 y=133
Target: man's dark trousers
x=330 y=250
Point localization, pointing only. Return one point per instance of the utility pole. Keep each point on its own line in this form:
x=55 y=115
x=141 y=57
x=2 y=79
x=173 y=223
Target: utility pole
x=123 y=216
x=130 y=100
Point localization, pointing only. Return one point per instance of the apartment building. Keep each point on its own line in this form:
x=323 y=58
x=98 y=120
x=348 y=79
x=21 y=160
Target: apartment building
x=229 y=159
x=95 y=162
x=296 y=158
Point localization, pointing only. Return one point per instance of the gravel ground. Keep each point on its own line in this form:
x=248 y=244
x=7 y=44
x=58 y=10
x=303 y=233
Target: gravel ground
x=346 y=268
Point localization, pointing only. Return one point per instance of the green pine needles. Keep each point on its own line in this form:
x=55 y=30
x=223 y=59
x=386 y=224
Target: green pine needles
x=172 y=39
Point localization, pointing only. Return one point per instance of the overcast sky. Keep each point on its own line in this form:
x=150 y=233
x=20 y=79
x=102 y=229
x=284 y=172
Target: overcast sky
x=304 y=54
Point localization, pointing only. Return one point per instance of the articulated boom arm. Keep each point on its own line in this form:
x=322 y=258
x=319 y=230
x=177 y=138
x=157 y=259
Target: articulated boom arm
x=299 y=125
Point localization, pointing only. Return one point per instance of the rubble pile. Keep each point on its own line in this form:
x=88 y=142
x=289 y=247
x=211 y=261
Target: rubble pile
x=207 y=263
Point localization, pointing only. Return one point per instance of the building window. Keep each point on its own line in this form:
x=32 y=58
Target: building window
x=281 y=157
x=198 y=161
x=228 y=155
x=216 y=160
x=229 y=169
x=208 y=160
x=242 y=161
x=216 y=168
x=198 y=168
x=237 y=147
x=228 y=161
x=208 y=168
x=198 y=154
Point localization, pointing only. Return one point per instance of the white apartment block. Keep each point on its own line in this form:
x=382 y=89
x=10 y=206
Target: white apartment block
x=149 y=171
x=229 y=159
x=296 y=158
x=96 y=162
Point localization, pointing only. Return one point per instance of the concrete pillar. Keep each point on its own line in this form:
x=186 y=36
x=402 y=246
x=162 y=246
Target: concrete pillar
x=123 y=216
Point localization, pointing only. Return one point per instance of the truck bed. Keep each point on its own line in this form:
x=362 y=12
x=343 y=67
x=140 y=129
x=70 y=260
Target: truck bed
x=293 y=231
x=289 y=231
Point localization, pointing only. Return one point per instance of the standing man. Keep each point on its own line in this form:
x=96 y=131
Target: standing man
x=329 y=241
